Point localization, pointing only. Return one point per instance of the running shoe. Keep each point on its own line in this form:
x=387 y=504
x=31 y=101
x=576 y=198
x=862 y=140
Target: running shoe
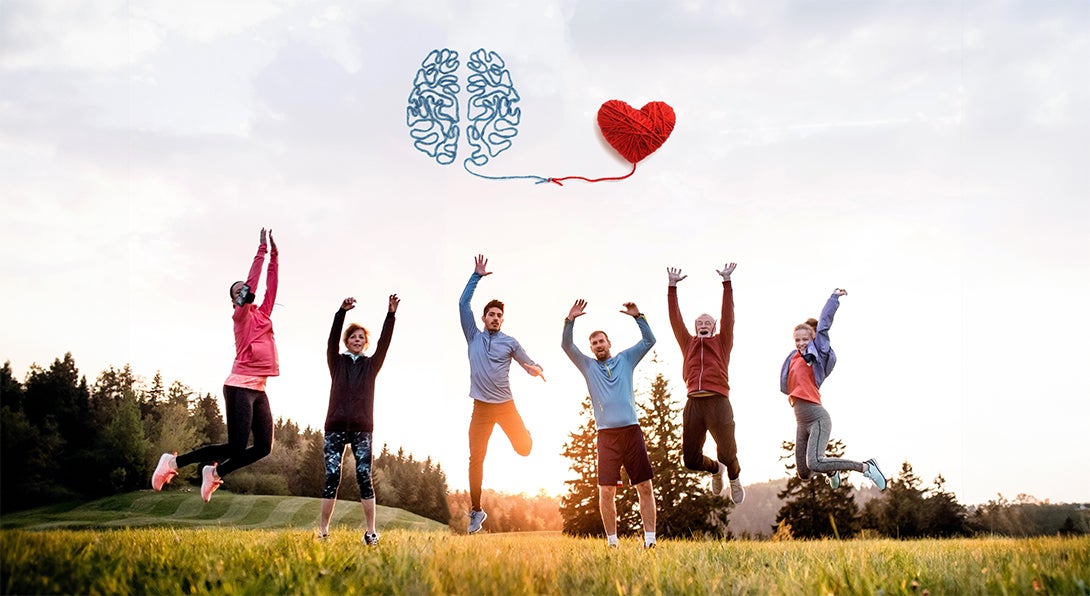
x=370 y=539
x=737 y=492
x=476 y=518
x=833 y=480
x=165 y=470
x=717 y=482
x=648 y=545
x=209 y=482
x=321 y=537
x=875 y=474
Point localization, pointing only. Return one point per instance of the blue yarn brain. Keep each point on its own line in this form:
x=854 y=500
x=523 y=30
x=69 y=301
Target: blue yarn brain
x=492 y=118
x=432 y=114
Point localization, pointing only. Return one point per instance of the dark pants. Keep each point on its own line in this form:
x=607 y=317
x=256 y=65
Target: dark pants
x=485 y=417
x=703 y=415
x=247 y=410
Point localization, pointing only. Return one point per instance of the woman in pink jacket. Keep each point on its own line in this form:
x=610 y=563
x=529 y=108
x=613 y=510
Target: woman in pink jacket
x=244 y=390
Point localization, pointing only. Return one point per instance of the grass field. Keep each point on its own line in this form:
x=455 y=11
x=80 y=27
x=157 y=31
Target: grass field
x=221 y=557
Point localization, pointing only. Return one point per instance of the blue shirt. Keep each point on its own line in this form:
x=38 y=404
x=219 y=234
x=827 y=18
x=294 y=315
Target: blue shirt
x=490 y=353
x=610 y=381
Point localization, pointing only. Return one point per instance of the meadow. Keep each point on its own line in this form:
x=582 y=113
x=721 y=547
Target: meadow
x=266 y=545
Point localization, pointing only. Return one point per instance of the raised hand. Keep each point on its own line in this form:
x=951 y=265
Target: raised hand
x=263 y=236
x=674 y=275
x=840 y=292
x=394 y=301
x=348 y=304
x=535 y=371
x=480 y=265
x=577 y=309
x=272 y=241
x=630 y=309
x=727 y=270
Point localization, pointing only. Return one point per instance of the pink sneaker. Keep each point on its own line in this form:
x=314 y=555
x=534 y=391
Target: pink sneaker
x=165 y=470
x=210 y=481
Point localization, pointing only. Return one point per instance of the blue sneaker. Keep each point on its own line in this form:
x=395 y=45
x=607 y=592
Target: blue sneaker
x=874 y=474
x=833 y=480
x=476 y=518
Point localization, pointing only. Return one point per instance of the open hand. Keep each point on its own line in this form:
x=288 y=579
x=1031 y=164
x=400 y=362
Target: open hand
x=480 y=265
x=674 y=275
x=577 y=309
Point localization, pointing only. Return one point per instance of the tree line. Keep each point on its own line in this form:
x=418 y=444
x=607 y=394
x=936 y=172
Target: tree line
x=807 y=508
x=63 y=438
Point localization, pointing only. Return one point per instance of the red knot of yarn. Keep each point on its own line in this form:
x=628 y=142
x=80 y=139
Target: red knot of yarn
x=635 y=134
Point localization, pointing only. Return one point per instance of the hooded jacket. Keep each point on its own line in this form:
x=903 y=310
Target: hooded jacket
x=255 y=345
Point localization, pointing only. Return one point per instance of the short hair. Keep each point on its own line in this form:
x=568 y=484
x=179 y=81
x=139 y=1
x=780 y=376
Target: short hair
x=352 y=328
x=493 y=303
x=593 y=333
x=810 y=325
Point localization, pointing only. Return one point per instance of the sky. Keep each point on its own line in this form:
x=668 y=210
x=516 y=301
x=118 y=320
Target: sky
x=929 y=157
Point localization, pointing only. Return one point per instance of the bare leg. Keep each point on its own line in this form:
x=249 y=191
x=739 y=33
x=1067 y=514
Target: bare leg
x=369 y=514
x=608 y=507
x=647 y=505
x=327 y=513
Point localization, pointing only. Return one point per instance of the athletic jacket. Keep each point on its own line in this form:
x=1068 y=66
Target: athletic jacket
x=352 y=388
x=255 y=346
x=705 y=358
x=819 y=353
x=490 y=353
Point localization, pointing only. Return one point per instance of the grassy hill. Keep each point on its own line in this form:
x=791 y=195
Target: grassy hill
x=183 y=509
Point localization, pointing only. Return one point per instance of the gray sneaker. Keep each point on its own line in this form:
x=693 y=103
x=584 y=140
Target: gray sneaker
x=476 y=518
x=737 y=492
x=874 y=474
x=370 y=539
x=833 y=480
x=717 y=483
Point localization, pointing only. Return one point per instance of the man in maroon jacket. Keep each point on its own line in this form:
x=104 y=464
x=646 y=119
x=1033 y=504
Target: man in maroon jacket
x=708 y=409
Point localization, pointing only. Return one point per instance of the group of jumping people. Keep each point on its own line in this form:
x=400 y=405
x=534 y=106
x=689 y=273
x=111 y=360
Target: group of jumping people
x=620 y=440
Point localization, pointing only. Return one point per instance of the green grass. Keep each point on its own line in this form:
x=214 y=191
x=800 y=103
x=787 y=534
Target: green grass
x=180 y=509
x=266 y=545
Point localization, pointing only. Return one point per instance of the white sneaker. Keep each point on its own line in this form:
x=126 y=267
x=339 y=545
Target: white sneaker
x=165 y=470
x=737 y=492
x=210 y=481
x=370 y=539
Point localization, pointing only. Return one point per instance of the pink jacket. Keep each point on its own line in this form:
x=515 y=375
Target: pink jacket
x=255 y=346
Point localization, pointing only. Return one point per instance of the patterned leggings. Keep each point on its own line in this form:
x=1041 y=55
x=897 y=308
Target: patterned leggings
x=334 y=451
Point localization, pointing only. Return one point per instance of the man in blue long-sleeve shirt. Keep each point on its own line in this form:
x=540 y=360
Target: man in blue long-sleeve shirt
x=620 y=439
x=490 y=355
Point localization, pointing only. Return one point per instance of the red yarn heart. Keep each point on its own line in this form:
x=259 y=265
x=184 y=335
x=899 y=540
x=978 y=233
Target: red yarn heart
x=635 y=134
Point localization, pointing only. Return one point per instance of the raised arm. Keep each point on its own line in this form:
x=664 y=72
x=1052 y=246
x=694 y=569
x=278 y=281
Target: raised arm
x=566 y=342
x=825 y=321
x=647 y=339
x=726 y=318
x=465 y=312
x=272 y=278
x=677 y=323
x=255 y=267
x=332 y=347
x=387 y=334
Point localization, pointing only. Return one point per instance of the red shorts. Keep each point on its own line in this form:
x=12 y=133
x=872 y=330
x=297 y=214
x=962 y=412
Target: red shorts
x=626 y=447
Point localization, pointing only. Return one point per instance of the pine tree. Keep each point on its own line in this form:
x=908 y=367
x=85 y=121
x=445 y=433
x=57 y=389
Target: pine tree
x=684 y=507
x=943 y=515
x=898 y=513
x=579 y=506
x=210 y=425
x=811 y=507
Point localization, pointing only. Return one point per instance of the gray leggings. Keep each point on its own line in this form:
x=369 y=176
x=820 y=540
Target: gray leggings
x=811 y=438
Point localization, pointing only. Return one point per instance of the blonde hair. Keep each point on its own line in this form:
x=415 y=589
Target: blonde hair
x=810 y=325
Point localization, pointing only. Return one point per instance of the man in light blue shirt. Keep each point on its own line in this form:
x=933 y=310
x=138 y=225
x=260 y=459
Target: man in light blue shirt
x=620 y=440
x=490 y=354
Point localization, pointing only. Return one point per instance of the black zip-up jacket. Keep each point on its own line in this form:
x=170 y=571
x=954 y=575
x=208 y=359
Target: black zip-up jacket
x=352 y=391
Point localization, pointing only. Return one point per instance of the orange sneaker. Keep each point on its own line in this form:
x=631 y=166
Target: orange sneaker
x=165 y=470
x=210 y=481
